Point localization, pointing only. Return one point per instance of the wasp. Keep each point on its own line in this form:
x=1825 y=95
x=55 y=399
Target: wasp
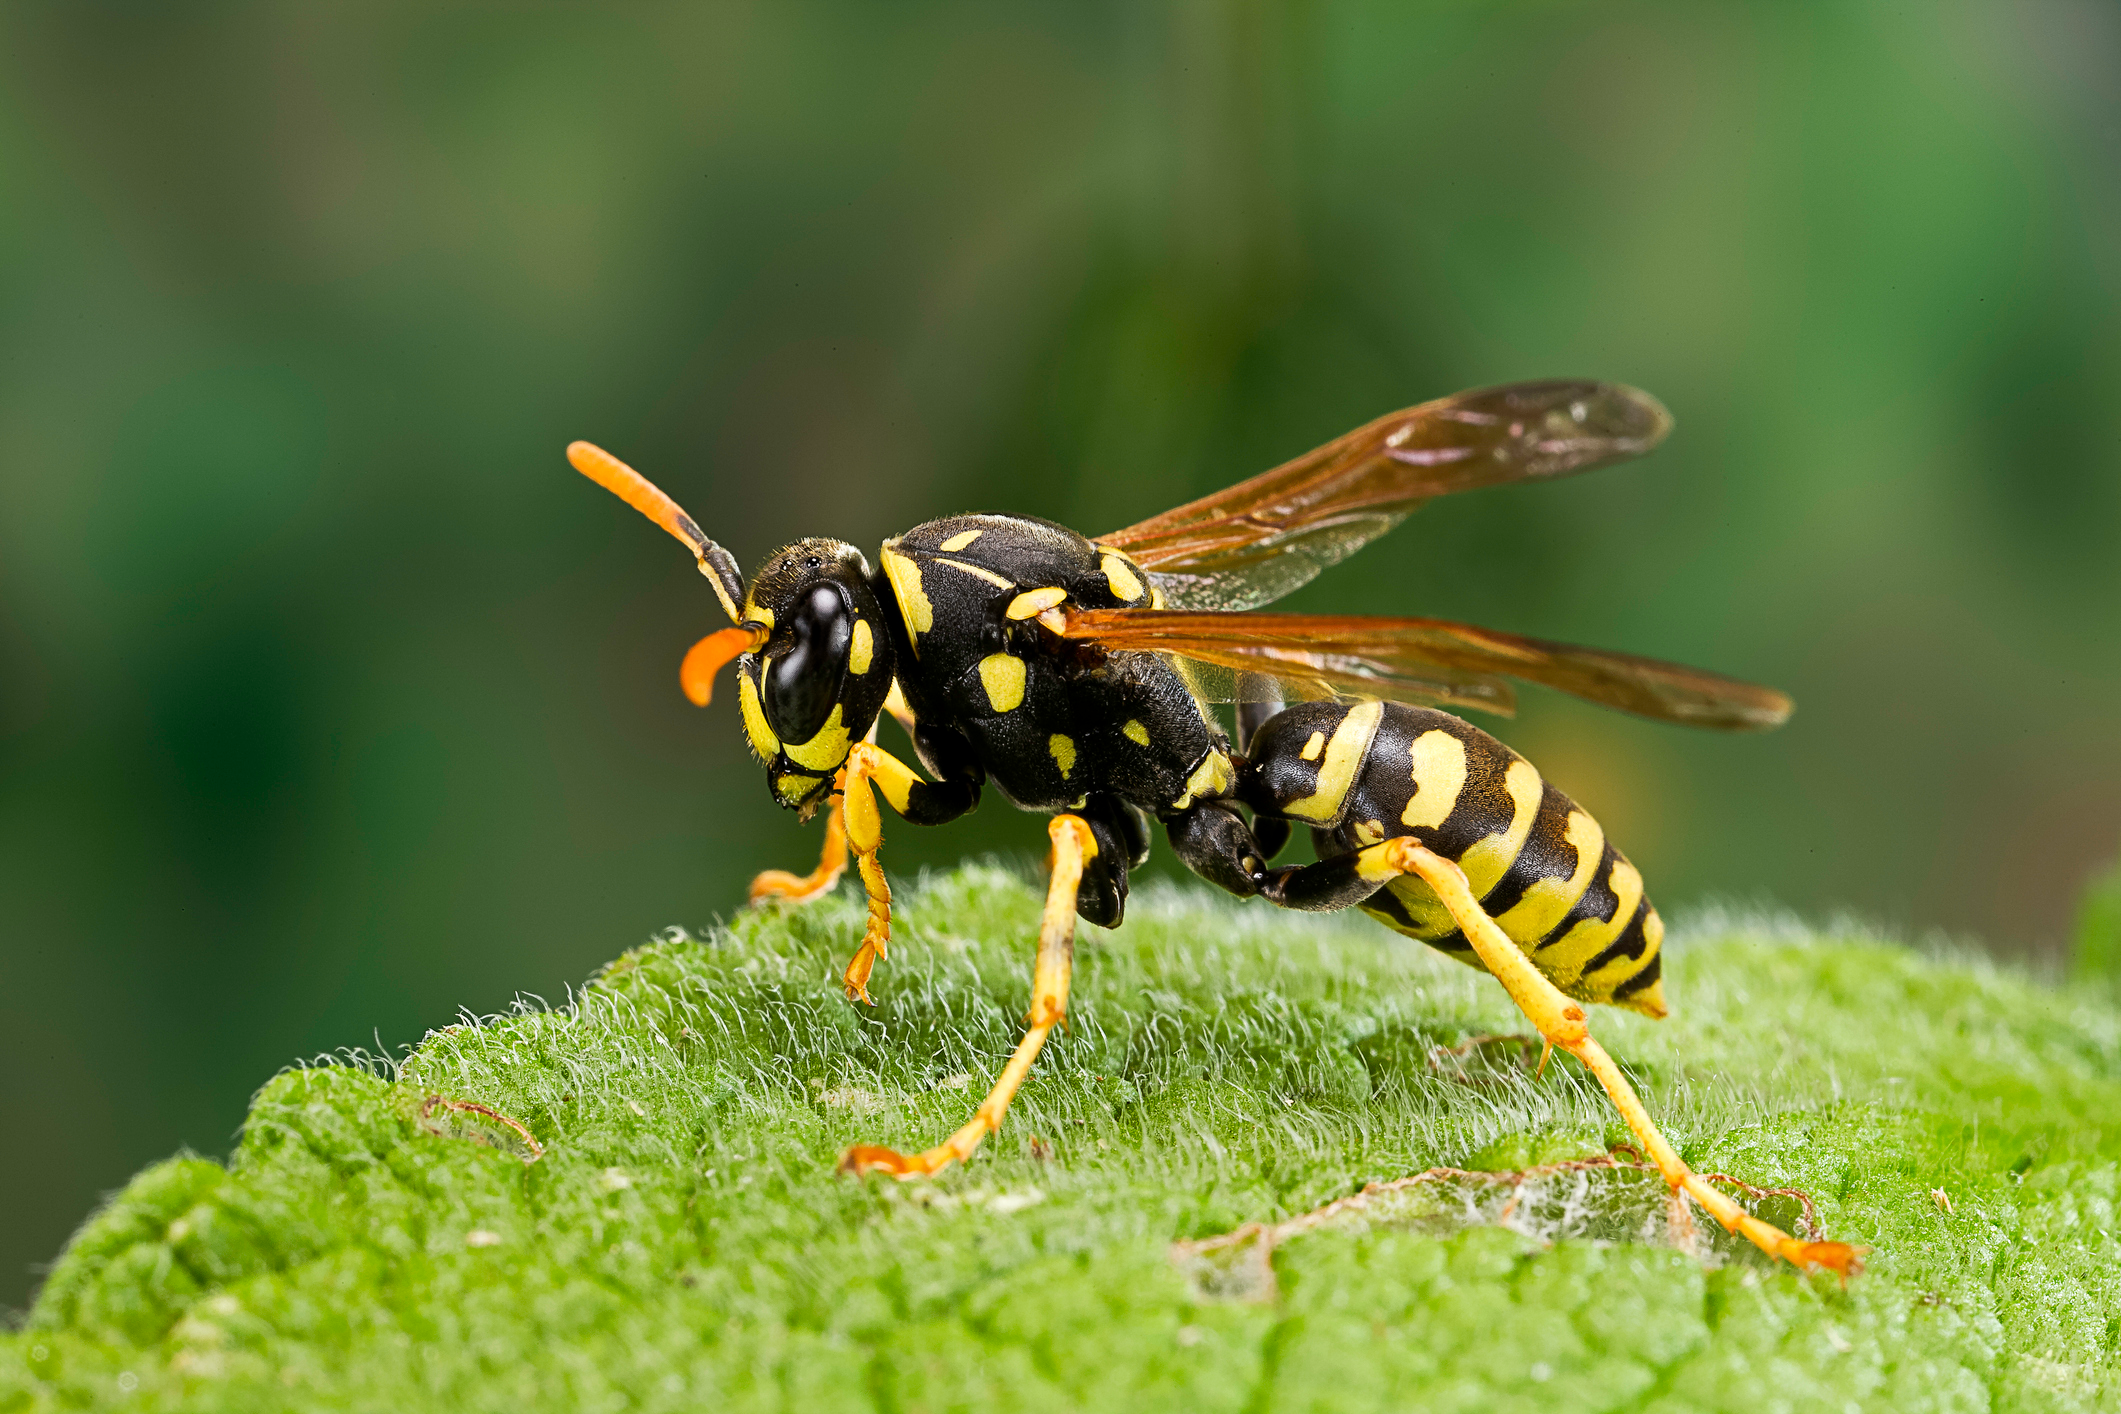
x=1074 y=675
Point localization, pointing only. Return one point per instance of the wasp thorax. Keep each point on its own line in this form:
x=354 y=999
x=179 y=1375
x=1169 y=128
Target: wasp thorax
x=817 y=683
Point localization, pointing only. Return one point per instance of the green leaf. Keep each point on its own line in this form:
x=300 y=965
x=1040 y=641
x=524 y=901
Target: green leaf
x=671 y=1234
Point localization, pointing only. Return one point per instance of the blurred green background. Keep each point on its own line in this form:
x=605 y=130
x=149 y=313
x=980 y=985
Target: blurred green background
x=332 y=701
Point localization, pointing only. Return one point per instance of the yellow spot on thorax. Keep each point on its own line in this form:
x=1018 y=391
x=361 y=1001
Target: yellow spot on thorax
x=1336 y=774
x=863 y=650
x=1313 y=747
x=1002 y=674
x=913 y=605
x=1063 y=749
x=794 y=786
x=1369 y=832
x=763 y=741
x=963 y=538
x=976 y=571
x=1033 y=602
x=1136 y=732
x=1213 y=777
x=826 y=750
x=1439 y=779
x=1122 y=578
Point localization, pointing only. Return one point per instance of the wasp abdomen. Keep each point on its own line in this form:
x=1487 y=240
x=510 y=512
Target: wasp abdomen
x=1360 y=773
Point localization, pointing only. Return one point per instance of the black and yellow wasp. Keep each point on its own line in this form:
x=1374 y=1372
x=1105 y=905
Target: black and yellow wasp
x=1073 y=675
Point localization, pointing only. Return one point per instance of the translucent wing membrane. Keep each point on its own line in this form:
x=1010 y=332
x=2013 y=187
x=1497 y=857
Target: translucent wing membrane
x=1256 y=541
x=1430 y=661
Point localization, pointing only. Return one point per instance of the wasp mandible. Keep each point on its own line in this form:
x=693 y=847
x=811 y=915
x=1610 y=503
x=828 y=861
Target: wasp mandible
x=1074 y=675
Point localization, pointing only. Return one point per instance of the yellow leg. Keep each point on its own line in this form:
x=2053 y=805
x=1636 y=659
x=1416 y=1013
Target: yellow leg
x=1072 y=847
x=865 y=834
x=1561 y=1022
x=832 y=862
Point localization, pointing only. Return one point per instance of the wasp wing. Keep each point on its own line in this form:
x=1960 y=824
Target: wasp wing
x=1252 y=543
x=1432 y=661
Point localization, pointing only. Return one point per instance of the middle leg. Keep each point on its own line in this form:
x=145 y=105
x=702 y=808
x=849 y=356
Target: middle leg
x=1073 y=847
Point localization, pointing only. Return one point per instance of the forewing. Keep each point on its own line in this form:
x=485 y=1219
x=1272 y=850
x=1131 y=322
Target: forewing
x=1254 y=542
x=1433 y=661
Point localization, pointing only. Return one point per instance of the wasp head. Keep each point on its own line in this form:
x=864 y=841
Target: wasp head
x=815 y=685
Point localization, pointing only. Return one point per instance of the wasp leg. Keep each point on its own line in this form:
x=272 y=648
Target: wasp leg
x=1122 y=836
x=1561 y=1022
x=832 y=859
x=919 y=802
x=832 y=862
x=1074 y=847
x=1217 y=845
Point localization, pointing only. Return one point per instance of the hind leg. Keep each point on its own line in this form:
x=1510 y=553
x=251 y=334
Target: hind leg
x=1561 y=1021
x=1218 y=846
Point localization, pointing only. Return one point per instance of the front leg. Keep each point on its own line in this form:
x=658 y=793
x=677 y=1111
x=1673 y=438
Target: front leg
x=869 y=769
x=832 y=862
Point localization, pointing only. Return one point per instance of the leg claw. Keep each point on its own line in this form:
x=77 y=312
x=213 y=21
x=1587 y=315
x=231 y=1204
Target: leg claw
x=875 y=1158
x=1839 y=1258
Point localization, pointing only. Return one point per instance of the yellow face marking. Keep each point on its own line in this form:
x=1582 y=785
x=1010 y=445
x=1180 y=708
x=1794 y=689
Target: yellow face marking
x=978 y=572
x=863 y=649
x=1439 y=779
x=1548 y=901
x=1336 y=774
x=1489 y=859
x=1136 y=732
x=1003 y=676
x=793 y=787
x=905 y=577
x=1370 y=832
x=1564 y=961
x=1314 y=747
x=963 y=538
x=1033 y=602
x=1121 y=578
x=753 y=614
x=826 y=750
x=763 y=741
x=1063 y=750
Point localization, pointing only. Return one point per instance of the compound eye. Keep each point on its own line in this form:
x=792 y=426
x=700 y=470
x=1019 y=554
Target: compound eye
x=803 y=681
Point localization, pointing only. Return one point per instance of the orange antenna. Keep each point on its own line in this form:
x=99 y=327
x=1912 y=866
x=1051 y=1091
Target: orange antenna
x=643 y=495
x=708 y=657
